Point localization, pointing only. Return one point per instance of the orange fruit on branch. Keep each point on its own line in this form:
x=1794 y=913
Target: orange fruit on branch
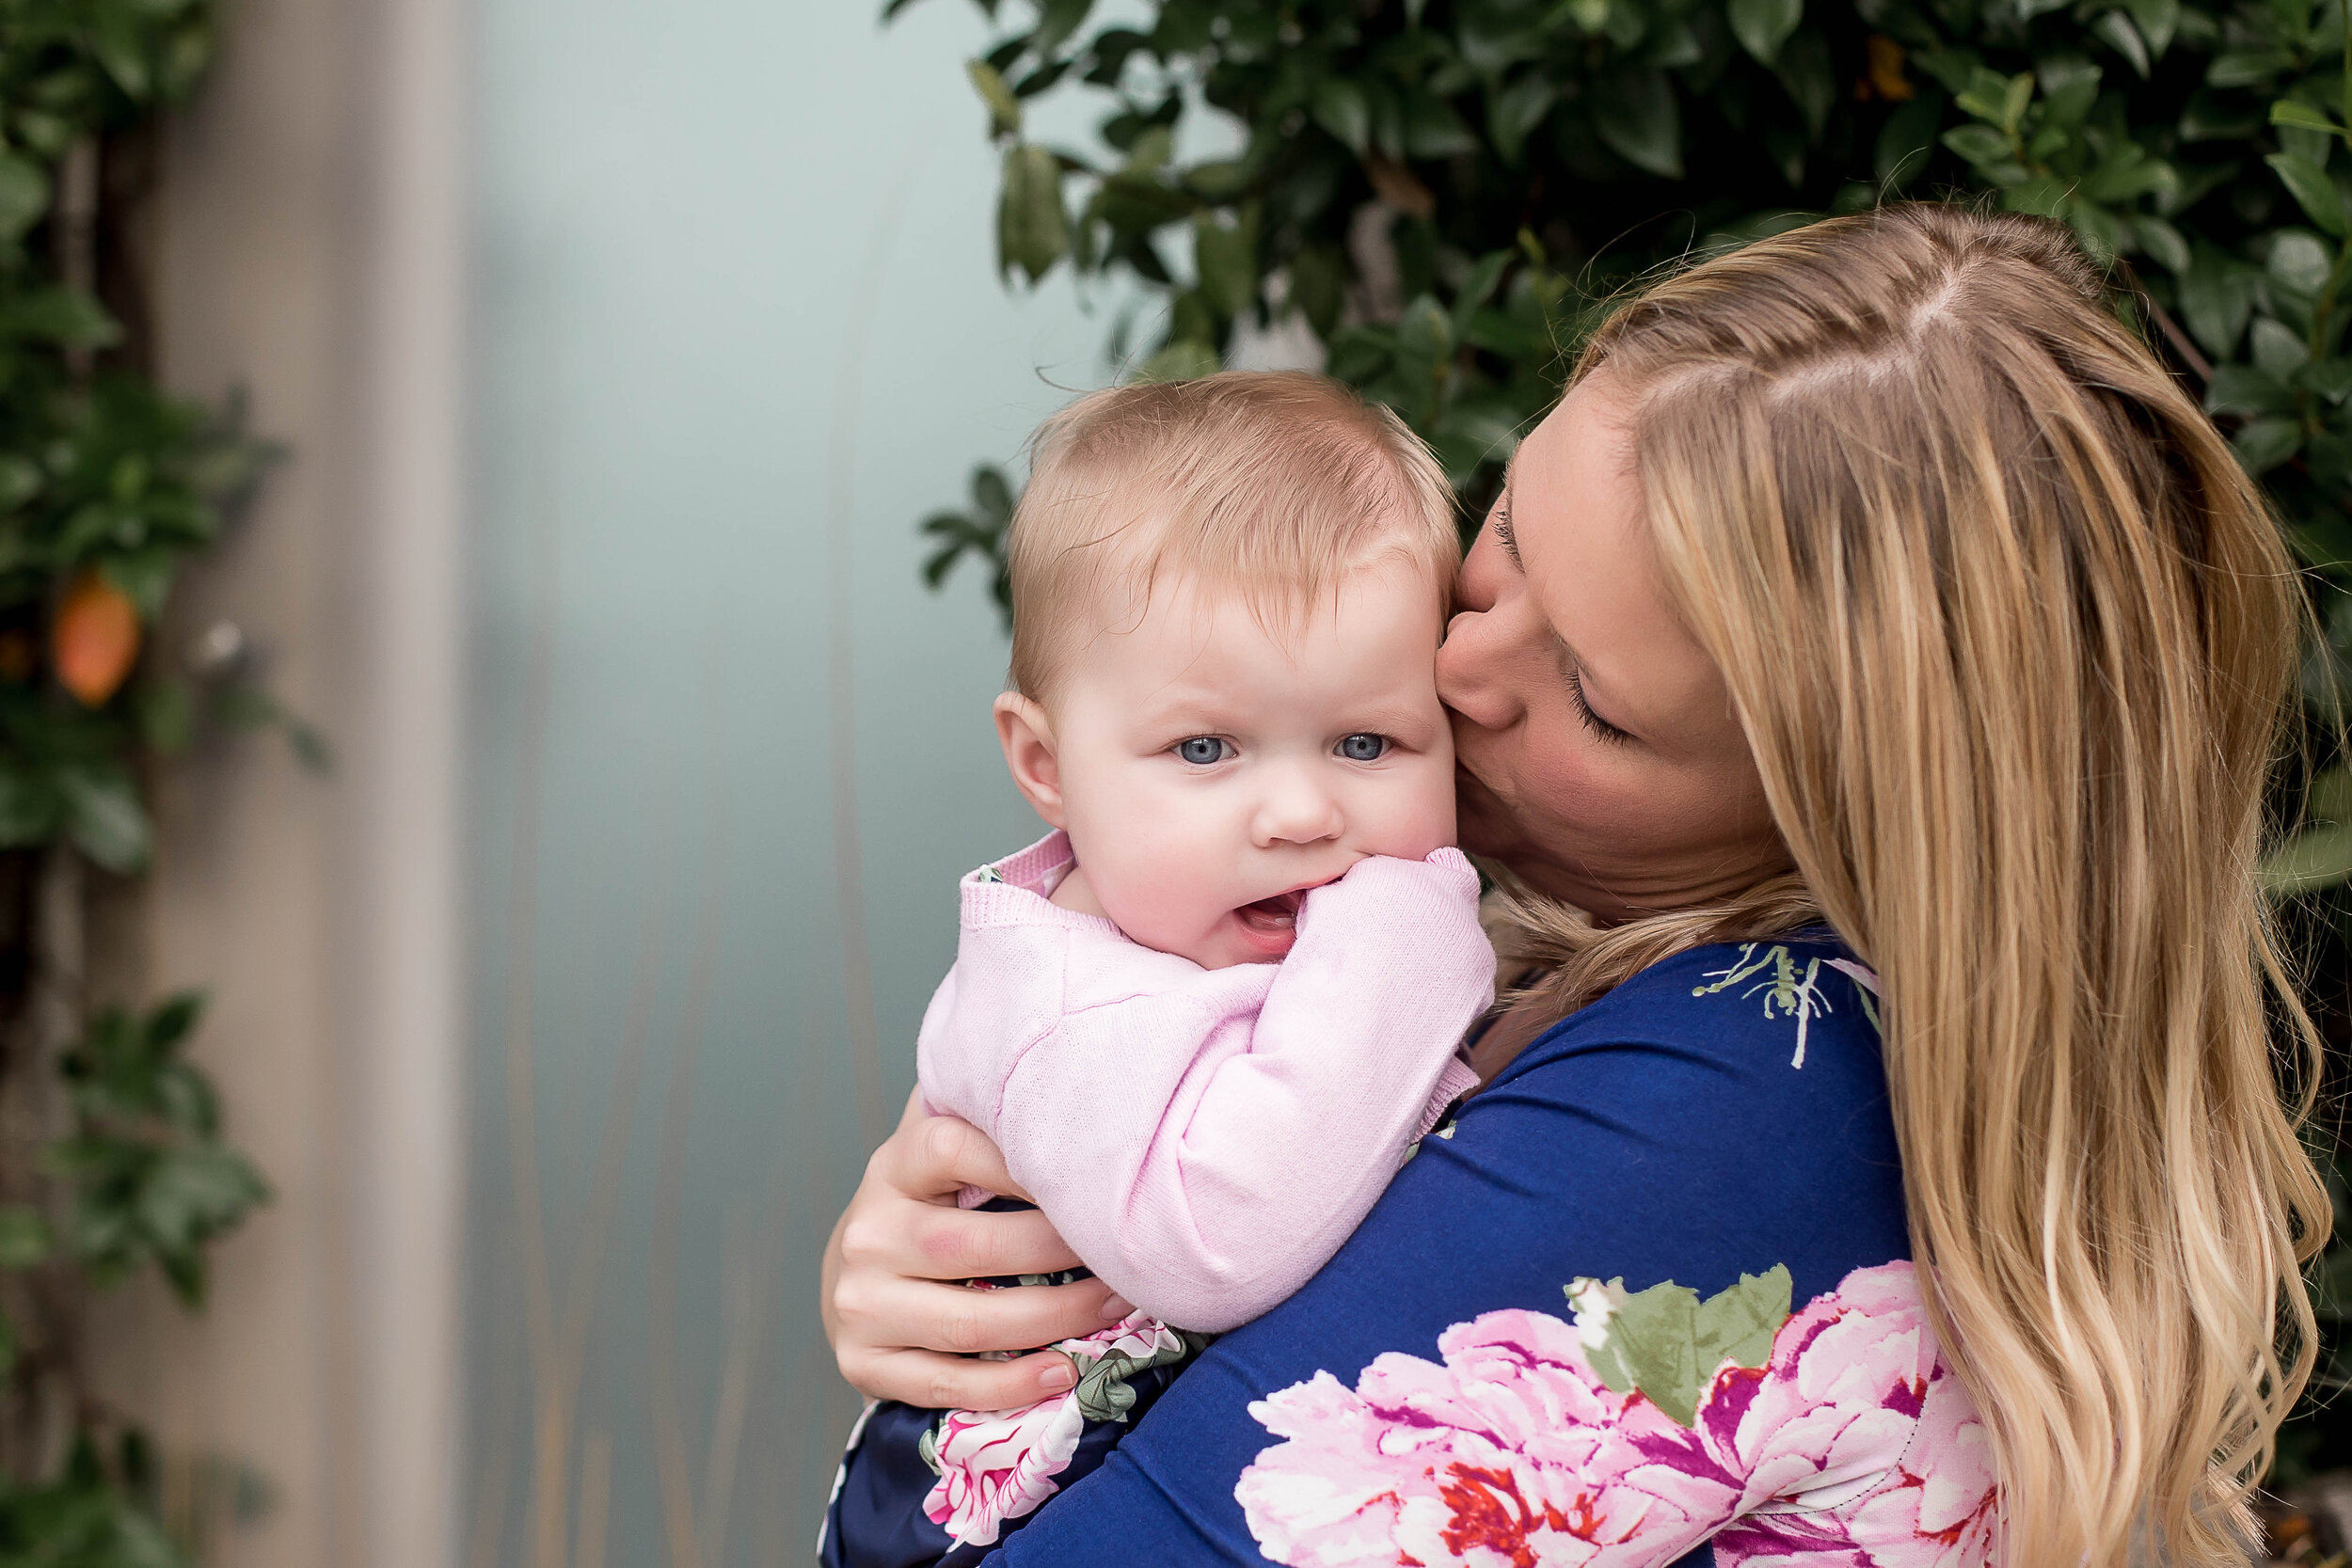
x=95 y=639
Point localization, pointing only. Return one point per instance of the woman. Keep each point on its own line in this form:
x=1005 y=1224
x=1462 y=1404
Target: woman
x=1872 y=580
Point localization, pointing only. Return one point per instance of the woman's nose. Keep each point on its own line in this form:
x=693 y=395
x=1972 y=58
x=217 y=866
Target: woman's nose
x=1471 y=673
x=1296 y=810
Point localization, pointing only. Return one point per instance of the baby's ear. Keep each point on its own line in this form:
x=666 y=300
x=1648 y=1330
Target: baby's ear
x=1027 y=737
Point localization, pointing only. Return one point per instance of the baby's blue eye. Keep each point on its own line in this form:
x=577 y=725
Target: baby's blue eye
x=1364 y=748
x=1202 y=749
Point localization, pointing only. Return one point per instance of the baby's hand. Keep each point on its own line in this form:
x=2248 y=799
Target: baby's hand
x=1445 y=876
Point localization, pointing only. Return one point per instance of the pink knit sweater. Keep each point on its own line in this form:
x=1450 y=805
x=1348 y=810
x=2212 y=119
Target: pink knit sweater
x=1205 y=1139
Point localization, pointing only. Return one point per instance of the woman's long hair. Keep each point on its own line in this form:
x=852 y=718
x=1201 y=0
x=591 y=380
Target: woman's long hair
x=2012 y=638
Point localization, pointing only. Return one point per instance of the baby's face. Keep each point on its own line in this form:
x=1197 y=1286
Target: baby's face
x=1211 y=771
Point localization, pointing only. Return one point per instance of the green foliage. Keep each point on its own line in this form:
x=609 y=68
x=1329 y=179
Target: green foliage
x=106 y=487
x=153 y=1181
x=99 y=1513
x=979 y=532
x=1448 y=193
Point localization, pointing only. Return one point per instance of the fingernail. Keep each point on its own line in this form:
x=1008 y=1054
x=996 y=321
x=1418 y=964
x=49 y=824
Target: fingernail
x=1116 y=1307
x=1059 y=1376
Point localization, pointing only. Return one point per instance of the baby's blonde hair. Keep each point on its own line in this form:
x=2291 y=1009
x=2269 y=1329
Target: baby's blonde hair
x=1273 y=485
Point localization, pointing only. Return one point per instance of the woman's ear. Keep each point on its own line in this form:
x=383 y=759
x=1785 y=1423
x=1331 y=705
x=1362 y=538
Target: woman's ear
x=1027 y=737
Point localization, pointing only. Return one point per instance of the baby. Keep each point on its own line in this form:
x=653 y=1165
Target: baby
x=1209 y=1015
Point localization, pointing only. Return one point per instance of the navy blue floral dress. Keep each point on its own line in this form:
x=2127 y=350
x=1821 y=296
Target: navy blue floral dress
x=1645 y=1299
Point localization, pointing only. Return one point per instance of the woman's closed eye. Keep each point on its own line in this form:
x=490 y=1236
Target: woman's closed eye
x=1362 y=747
x=1602 y=729
x=1202 y=751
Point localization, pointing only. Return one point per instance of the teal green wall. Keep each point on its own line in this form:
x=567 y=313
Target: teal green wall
x=733 y=298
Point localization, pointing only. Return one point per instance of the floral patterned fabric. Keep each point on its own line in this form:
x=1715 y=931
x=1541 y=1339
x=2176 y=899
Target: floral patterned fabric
x=997 y=1466
x=1853 y=1438
x=1740 y=1370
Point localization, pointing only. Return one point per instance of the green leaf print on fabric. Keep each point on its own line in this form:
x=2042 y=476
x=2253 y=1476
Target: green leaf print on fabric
x=1668 y=1344
x=1788 y=993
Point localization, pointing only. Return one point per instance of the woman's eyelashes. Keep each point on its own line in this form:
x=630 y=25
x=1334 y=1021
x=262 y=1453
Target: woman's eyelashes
x=1602 y=729
x=1503 y=535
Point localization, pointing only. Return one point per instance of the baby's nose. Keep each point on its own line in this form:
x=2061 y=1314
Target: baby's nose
x=1297 y=811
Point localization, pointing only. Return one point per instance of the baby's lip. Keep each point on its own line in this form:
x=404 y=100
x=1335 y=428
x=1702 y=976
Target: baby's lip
x=1277 y=912
x=1280 y=911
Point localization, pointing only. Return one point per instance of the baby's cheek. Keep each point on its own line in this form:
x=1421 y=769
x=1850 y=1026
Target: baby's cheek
x=1165 y=895
x=1414 y=815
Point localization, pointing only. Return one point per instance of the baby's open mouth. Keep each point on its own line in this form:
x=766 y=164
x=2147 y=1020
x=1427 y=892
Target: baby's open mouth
x=1278 y=913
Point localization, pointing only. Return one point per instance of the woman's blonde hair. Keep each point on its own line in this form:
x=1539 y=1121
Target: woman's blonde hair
x=1274 y=484
x=2012 y=638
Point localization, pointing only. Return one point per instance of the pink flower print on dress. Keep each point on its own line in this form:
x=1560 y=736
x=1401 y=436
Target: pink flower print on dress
x=1852 y=1445
x=999 y=1464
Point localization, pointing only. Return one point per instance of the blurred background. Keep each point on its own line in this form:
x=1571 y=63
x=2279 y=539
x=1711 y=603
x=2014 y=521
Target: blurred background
x=615 y=349
x=499 y=500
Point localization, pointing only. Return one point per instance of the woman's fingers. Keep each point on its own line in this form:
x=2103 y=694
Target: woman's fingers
x=936 y=1382
x=890 y=1333
x=936 y=1157
x=903 y=1326
x=888 y=1313
x=923 y=1241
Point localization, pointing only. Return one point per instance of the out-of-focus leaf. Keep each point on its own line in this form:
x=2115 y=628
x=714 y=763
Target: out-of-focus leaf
x=2311 y=189
x=1763 y=25
x=1178 y=362
x=1032 y=227
x=1636 y=114
x=1003 y=109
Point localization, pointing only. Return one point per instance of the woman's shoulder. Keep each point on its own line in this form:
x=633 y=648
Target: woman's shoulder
x=1744 y=1009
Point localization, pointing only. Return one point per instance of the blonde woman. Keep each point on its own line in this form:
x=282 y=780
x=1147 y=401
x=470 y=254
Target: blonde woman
x=1885 y=657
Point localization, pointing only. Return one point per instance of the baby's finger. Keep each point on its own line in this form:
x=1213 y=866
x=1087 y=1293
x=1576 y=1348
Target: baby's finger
x=938 y=1381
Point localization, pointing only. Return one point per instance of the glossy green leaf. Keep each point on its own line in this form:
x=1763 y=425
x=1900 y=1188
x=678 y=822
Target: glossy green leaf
x=1637 y=116
x=1032 y=227
x=2279 y=350
x=2301 y=262
x=1809 y=76
x=2262 y=445
x=2310 y=862
x=1763 y=25
x=23 y=196
x=2117 y=31
x=105 y=819
x=2288 y=111
x=2311 y=189
x=2162 y=242
x=1515 y=111
x=2157 y=21
x=1003 y=109
x=1978 y=144
x=1341 y=108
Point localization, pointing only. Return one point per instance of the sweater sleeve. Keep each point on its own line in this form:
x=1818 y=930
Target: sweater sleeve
x=1218 y=1155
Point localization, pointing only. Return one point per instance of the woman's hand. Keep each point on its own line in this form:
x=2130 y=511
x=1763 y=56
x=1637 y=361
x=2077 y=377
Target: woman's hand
x=901 y=1325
